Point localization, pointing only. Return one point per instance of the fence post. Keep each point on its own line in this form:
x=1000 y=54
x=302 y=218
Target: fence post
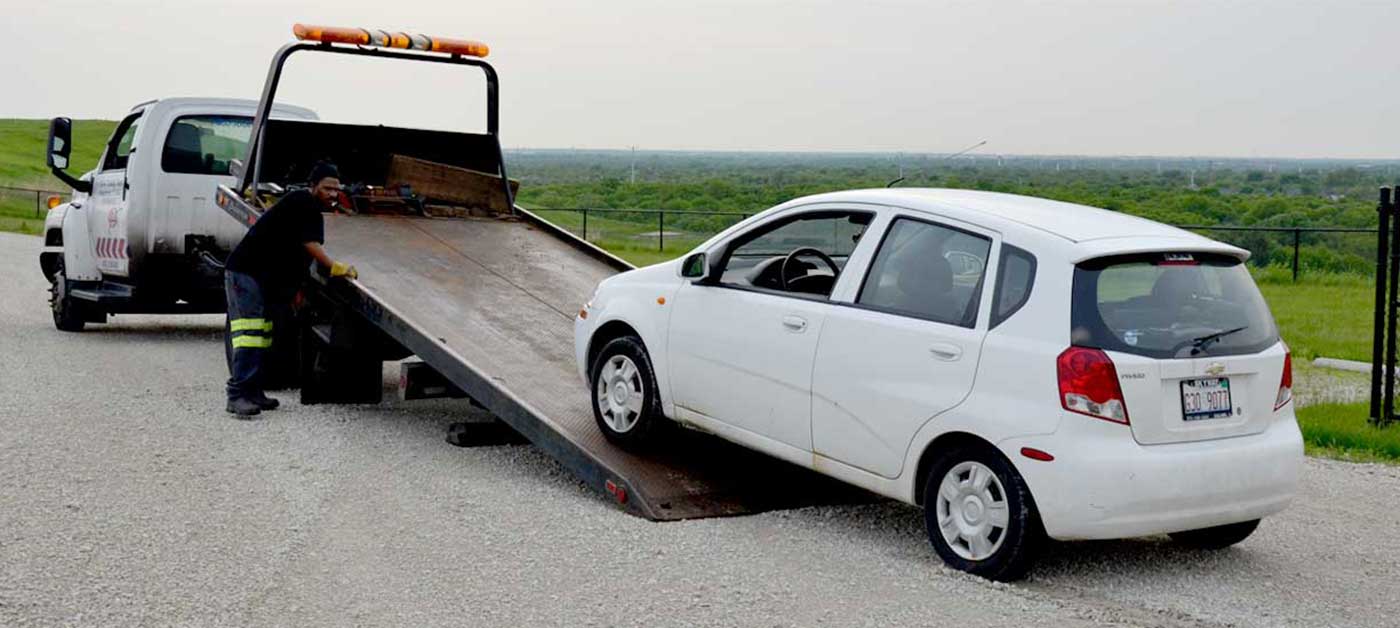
x=1393 y=277
x=1378 y=337
x=585 y=224
x=37 y=205
x=1295 y=254
x=661 y=231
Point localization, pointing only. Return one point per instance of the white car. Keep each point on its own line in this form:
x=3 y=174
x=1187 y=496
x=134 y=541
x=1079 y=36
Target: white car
x=1019 y=367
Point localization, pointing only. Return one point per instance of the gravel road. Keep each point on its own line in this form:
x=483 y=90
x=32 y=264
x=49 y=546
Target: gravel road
x=127 y=497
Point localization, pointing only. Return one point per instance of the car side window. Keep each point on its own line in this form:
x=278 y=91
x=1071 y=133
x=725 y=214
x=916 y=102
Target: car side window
x=119 y=147
x=205 y=144
x=1015 y=277
x=801 y=255
x=927 y=271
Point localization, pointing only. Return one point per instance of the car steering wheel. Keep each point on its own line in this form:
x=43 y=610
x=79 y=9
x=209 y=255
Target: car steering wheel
x=783 y=271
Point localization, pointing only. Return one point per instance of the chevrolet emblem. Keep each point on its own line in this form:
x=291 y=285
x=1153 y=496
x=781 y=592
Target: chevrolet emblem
x=1215 y=368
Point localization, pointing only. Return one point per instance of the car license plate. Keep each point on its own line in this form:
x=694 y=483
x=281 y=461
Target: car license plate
x=1207 y=398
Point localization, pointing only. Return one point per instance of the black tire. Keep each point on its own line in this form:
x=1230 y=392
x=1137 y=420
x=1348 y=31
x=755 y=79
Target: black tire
x=68 y=315
x=1218 y=537
x=646 y=421
x=1016 y=545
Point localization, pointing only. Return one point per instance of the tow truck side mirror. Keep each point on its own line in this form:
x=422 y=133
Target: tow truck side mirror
x=60 y=143
x=694 y=267
x=59 y=149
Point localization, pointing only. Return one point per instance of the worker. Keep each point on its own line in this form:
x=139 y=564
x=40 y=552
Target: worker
x=262 y=276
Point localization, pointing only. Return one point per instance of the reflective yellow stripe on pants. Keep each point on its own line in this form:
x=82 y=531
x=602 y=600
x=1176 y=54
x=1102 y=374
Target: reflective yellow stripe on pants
x=250 y=324
x=251 y=342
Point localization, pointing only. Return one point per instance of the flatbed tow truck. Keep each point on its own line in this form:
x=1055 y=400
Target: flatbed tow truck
x=486 y=303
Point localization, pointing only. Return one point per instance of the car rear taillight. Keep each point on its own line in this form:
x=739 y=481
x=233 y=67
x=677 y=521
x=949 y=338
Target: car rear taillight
x=1285 y=386
x=1089 y=385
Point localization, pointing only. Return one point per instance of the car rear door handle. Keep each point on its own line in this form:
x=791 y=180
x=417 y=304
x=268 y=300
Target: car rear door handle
x=795 y=323
x=946 y=351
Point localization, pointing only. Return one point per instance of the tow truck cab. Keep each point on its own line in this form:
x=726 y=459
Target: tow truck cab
x=142 y=233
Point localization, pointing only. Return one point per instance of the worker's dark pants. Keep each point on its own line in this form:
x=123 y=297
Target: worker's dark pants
x=249 y=335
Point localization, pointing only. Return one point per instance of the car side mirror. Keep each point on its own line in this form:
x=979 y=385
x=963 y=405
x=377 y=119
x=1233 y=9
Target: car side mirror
x=60 y=143
x=694 y=267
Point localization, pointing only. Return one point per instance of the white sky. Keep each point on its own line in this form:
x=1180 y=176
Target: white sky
x=1227 y=78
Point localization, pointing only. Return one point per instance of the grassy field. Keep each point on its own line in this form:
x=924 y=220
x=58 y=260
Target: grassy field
x=1341 y=431
x=22 y=165
x=1323 y=314
x=631 y=240
x=22 y=151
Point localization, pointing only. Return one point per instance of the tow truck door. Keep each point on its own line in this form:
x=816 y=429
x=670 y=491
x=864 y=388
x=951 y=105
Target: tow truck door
x=110 y=190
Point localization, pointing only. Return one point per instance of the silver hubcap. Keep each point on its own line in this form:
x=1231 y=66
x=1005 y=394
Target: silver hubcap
x=620 y=393
x=972 y=510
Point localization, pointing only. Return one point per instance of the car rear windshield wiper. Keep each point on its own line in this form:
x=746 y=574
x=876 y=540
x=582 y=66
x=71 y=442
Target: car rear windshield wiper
x=1199 y=345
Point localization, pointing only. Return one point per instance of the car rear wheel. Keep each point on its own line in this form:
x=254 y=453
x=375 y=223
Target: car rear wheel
x=625 y=403
x=1218 y=537
x=979 y=514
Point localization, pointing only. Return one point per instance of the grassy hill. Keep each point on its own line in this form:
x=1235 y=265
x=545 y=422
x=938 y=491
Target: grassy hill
x=22 y=165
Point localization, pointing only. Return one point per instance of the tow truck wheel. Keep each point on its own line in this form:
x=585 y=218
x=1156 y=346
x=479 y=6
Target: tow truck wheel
x=979 y=514
x=625 y=403
x=67 y=315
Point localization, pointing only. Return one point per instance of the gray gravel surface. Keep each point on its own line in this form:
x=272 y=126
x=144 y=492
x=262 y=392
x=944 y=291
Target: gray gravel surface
x=128 y=497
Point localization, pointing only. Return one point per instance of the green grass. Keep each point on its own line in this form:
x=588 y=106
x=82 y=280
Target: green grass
x=633 y=241
x=22 y=165
x=1341 y=431
x=1323 y=314
x=22 y=161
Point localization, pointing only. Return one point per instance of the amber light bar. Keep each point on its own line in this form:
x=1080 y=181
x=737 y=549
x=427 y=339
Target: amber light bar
x=386 y=39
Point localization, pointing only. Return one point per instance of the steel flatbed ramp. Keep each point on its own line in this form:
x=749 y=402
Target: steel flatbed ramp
x=490 y=303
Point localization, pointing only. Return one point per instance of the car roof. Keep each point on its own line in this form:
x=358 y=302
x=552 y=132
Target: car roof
x=1089 y=231
x=1073 y=222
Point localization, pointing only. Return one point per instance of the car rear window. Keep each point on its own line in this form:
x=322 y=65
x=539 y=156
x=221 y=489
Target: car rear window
x=1170 y=305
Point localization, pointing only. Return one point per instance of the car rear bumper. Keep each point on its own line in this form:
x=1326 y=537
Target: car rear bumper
x=1103 y=485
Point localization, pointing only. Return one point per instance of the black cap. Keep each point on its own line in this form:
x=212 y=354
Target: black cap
x=321 y=170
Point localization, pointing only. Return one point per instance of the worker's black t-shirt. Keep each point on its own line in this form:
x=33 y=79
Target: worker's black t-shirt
x=273 y=251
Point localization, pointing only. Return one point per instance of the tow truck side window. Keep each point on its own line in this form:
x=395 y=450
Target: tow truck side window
x=205 y=144
x=120 y=146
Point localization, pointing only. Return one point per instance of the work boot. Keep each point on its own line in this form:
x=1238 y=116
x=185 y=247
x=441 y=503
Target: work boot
x=243 y=408
x=265 y=402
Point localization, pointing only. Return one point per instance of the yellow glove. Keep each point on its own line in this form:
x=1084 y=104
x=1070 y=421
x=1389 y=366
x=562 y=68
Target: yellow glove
x=341 y=269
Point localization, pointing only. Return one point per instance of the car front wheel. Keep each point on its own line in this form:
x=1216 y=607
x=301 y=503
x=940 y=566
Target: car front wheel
x=625 y=403
x=979 y=514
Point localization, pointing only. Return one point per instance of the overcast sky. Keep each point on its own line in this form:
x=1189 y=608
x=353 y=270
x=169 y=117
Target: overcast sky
x=1282 y=78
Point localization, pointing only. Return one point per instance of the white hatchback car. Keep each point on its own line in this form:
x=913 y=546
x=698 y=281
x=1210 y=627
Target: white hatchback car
x=1019 y=367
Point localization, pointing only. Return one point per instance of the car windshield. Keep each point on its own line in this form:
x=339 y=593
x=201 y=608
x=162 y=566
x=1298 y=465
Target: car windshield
x=1170 y=305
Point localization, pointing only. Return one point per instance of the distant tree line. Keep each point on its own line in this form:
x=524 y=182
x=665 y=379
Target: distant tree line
x=1264 y=193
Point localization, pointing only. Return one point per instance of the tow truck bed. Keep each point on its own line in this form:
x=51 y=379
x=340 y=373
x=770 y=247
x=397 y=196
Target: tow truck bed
x=489 y=304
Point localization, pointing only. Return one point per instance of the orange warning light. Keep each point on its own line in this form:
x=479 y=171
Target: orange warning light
x=386 y=39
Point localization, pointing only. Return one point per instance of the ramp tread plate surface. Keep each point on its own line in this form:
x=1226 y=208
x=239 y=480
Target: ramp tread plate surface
x=502 y=295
